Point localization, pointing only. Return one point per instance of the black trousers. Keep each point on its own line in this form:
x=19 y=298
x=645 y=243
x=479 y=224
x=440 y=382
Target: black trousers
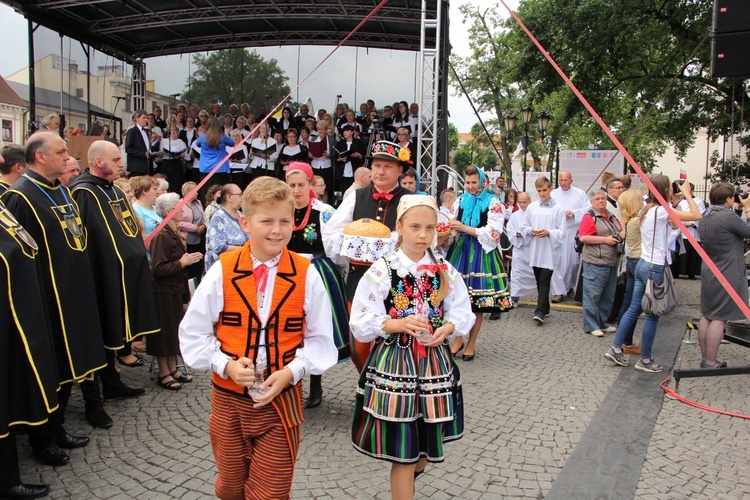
x=45 y=435
x=9 y=473
x=109 y=378
x=543 y=280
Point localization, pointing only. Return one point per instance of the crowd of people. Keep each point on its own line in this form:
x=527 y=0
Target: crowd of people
x=334 y=144
x=407 y=280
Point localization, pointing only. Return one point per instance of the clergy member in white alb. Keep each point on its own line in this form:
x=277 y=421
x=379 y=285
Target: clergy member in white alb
x=522 y=281
x=575 y=203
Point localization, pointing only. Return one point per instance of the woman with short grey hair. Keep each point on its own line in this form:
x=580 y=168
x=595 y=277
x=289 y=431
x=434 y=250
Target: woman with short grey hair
x=602 y=237
x=169 y=258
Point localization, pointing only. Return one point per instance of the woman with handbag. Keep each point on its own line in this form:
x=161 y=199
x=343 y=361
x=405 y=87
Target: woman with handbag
x=654 y=225
x=722 y=234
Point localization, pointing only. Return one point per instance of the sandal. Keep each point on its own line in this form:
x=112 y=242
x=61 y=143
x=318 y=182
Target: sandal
x=170 y=385
x=183 y=379
x=138 y=362
x=721 y=364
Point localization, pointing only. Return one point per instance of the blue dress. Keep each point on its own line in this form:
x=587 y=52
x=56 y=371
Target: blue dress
x=223 y=231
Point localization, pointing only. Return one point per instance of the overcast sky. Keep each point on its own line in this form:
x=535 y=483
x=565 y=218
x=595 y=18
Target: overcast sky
x=356 y=74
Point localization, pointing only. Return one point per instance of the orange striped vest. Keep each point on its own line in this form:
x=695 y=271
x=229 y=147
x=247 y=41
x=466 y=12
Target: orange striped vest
x=239 y=326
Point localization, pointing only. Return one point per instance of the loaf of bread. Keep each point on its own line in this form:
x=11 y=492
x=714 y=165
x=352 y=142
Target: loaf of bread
x=368 y=228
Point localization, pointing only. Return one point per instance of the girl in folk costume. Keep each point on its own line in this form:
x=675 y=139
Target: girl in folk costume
x=409 y=399
x=310 y=217
x=478 y=220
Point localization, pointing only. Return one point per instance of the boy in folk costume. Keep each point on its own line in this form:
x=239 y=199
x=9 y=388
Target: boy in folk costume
x=267 y=291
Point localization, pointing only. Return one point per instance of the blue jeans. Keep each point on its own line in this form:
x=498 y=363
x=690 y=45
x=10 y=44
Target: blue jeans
x=599 y=283
x=631 y=316
x=630 y=272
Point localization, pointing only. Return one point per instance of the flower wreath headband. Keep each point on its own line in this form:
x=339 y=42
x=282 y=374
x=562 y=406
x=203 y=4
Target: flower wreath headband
x=391 y=150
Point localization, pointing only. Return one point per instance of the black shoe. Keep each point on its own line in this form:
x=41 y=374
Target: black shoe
x=468 y=357
x=69 y=441
x=99 y=419
x=25 y=491
x=494 y=316
x=52 y=455
x=316 y=391
x=123 y=392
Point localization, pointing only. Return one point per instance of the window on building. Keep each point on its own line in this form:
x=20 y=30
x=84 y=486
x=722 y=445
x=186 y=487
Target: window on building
x=7 y=131
x=128 y=104
x=79 y=93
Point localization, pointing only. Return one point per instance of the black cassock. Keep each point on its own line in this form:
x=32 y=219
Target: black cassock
x=28 y=371
x=118 y=259
x=50 y=215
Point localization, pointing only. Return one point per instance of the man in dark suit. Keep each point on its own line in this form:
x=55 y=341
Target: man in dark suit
x=304 y=114
x=350 y=155
x=137 y=145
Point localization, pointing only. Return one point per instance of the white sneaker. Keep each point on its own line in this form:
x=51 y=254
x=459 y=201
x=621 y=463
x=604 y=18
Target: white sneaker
x=596 y=333
x=610 y=329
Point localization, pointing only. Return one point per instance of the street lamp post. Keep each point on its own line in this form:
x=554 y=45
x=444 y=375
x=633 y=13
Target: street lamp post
x=527 y=113
x=542 y=120
x=510 y=123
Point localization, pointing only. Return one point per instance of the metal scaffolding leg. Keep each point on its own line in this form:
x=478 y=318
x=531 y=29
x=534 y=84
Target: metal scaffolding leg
x=430 y=68
x=139 y=85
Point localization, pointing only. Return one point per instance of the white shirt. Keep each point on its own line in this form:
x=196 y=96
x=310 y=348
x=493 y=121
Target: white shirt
x=692 y=226
x=202 y=351
x=654 y=246
x=145 y=137
x=545 y=252
x=575 y=200
x=368 y=306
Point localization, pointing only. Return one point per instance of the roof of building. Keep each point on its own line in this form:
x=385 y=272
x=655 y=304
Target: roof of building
x=133 y=30
x=9 y=96
x=47 y=98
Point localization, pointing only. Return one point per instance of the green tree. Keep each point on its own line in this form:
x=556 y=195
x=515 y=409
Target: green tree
x=478 y=151
x=452 y=137
x=235 y=76
x=621 y=55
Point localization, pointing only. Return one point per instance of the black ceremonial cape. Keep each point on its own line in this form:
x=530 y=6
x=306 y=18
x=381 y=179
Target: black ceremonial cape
x=118 y=261
x=28 y=371
x=50 y=215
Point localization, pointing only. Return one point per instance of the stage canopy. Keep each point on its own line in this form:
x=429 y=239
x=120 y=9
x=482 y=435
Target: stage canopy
x=133 y=29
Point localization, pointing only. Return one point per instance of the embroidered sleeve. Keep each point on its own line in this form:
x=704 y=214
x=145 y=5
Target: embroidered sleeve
x=368 y=308
x=489 y=235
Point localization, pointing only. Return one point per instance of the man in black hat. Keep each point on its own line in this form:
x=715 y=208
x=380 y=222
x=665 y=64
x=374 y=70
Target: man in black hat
x=378 y=202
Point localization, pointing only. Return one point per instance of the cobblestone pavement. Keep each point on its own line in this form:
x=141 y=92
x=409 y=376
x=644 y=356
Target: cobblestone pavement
x=530 y=394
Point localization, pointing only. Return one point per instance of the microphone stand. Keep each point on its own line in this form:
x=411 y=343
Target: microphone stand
x=114 y=110
x=335 y=161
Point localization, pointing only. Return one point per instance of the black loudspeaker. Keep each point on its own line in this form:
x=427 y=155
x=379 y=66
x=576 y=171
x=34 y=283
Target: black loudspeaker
x=731 y=16
x=730 y=51
x=730 y=54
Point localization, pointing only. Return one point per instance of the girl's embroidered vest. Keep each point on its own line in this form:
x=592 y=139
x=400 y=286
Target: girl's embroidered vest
x=405 y=295
x=239 y=325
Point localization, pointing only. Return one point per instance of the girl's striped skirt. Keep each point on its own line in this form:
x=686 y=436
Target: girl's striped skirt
x=482 y=272
x=334 y=284
x=407 y=406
